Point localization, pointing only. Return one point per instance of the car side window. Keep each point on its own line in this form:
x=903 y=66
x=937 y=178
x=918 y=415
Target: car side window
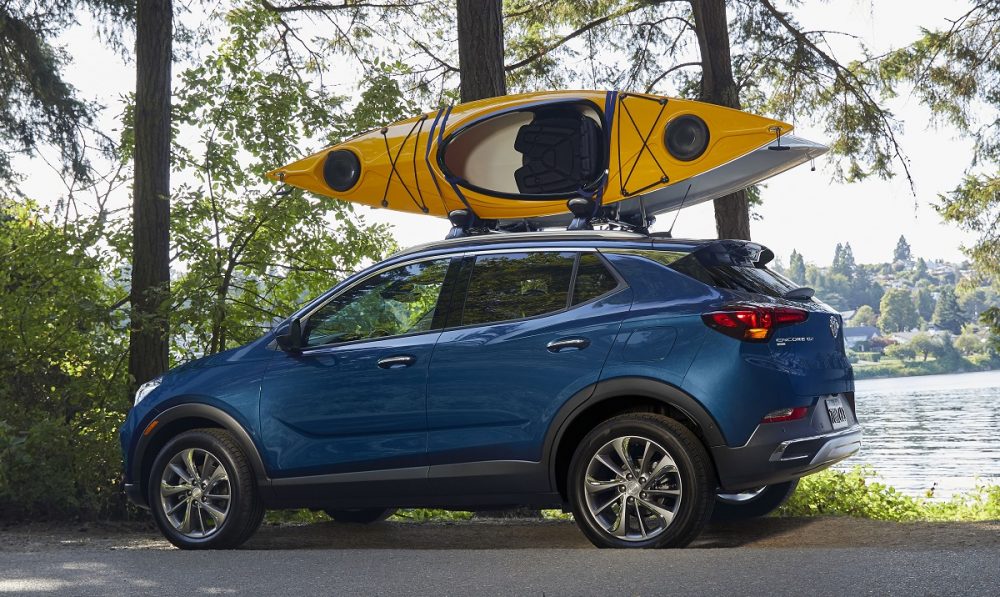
x=592 y=279
x=517 y=285
x=394 y=302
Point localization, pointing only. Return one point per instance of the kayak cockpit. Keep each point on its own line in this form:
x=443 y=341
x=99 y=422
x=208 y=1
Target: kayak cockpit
x=541 y=151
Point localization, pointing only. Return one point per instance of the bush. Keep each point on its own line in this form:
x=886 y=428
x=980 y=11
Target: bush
x=855 y=493
x=869 y=356
x=57 y=469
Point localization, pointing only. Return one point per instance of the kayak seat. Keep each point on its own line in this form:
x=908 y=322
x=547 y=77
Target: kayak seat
x=562 y=152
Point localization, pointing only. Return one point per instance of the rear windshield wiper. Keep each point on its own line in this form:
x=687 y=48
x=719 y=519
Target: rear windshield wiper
x=799 y=294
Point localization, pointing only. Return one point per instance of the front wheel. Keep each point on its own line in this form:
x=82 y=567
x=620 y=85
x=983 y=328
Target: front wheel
x=754 y=503
x=641 y=481
x=202 y=491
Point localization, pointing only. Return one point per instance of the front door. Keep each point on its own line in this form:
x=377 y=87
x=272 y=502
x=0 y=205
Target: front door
x=354 y=399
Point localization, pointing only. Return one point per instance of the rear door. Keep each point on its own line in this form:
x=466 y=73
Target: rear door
x=534 y=328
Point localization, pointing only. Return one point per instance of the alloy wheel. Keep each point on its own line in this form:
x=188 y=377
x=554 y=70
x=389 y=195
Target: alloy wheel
x=632 y=488
x=195 y=493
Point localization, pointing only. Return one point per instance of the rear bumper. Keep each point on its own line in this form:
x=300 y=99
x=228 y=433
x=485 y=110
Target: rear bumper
x=772 y=456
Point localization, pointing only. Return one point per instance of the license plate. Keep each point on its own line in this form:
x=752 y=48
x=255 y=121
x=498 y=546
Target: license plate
x=838 y=414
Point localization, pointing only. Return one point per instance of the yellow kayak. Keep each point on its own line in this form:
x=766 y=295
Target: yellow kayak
x=524 y=156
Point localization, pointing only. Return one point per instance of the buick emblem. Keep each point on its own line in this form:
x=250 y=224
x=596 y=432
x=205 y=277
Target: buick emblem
x=834 y=326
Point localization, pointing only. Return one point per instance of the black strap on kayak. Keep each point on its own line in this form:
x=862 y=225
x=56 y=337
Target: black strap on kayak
x=645 y=143
x=427 y=158
x=392 y=165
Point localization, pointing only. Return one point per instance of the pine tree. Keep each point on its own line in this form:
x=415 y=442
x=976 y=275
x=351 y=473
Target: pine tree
x=947 y=314
x=902 y=251
x=797 y=267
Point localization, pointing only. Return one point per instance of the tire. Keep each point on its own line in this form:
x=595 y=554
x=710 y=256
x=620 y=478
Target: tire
x=173 y=498
x=747 y=505
x=361 y=515
x=667 y=509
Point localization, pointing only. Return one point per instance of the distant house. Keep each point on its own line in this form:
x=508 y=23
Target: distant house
x=848 y=315
x=860 y=338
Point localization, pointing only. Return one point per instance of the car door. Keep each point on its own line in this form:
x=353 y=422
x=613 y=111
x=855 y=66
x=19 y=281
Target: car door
x=354 y=398
x=518 y=348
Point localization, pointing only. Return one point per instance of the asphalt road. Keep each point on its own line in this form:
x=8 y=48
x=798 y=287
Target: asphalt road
x=771 y=557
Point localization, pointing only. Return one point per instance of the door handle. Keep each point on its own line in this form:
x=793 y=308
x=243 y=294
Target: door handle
x=397 y=362
x=565 y=344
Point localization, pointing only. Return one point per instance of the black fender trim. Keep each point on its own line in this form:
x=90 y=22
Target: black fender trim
x=608 y=389
x=199 y=411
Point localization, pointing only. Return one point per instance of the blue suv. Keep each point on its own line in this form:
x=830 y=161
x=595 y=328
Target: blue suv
x=640 y=382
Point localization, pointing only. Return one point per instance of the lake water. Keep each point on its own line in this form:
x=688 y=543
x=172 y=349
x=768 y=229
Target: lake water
x=940 y=431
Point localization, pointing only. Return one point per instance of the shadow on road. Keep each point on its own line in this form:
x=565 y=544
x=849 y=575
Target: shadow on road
x=761 y=533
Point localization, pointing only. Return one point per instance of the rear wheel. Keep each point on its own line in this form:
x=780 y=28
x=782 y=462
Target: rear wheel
x=641 y=481
x=202 y=491
x=753 y=503
x=361 y=515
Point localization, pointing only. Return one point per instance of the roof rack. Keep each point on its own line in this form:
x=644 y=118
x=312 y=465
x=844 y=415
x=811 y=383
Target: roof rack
x=586 y=214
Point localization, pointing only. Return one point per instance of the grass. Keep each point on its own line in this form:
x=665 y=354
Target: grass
x=857 y=493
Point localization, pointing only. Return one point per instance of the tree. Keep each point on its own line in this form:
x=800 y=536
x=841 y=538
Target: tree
x=864 y=316
x=480 y=49
x=897 y=313
x=732 y=211
x=250 y=254
x=924 y=302
x=920 y=273
x=968 y=343
x=843 y=261
x=923 y=344
x=903 y=352
x=947 y=314
x=148 y=338
x=954 y=71
x=796 y=267
x=37 y=107
x=902 y=251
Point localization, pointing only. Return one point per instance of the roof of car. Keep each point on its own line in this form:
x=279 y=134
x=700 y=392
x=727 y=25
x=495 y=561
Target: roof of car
x=603 y=237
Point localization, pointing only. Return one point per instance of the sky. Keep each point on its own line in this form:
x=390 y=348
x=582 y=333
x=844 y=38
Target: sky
x=802 y=210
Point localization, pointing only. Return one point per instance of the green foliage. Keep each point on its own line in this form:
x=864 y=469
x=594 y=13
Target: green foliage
x=947 y=314
x=902 y=352
x=924 y=302
x=864 y=316
x=250 y=255
x=897 y=313
x=902 y=250
x=855 y=493
x=37 y=107
x=796 y=267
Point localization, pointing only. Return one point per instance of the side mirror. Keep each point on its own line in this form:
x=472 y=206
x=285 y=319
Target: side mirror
x=290 y=339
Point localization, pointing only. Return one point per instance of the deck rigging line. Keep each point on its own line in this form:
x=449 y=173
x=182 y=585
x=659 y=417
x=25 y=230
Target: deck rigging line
x=392 y=165
x=645 y=143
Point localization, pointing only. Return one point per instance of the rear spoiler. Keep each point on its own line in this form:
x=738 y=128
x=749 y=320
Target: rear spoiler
x=740 y=253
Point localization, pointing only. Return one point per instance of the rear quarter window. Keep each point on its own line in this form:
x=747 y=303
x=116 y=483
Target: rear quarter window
x=743 y=278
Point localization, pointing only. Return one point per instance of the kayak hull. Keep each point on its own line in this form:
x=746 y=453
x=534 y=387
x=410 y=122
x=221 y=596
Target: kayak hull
x=524 y=156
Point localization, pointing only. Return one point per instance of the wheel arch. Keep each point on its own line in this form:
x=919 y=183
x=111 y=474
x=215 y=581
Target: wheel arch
x=611 y=397
x=184 y=417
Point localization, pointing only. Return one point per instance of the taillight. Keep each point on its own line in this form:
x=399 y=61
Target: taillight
x=753 y=323
x=785 y=414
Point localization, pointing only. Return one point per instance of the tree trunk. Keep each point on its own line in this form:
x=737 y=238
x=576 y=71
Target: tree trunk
x=480 y=49
x=148 y=338
x=732 y=212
